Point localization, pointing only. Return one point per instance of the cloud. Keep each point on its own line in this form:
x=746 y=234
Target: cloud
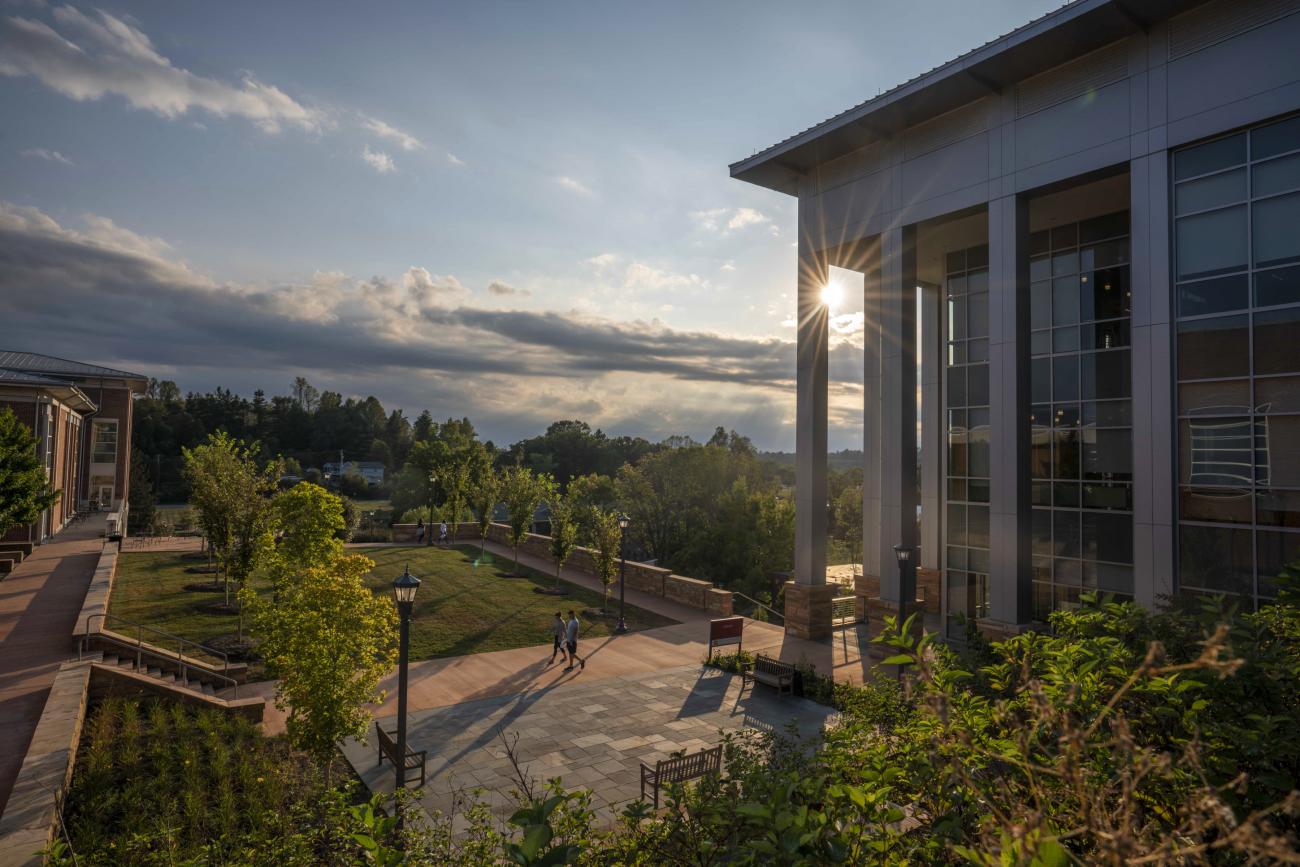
x=724 y=221
x=728 y=266
x=44 y=154
x=496 y=287
x=378 y=160
x=602 y=260
x=89 y=56
x=575 y=185
x=455 y=160
x=642 y=276
x=404 y=140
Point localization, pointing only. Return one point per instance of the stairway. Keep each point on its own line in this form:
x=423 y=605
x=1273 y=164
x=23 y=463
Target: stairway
x=195 y=679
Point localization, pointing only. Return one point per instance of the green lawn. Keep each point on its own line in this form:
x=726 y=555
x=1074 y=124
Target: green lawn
x=461 y=608
x=467 y=608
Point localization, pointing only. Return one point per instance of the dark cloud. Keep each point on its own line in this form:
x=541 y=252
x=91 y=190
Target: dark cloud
x=496 y=287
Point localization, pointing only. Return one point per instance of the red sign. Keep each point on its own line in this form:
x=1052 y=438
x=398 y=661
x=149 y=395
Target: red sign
x=727 y=628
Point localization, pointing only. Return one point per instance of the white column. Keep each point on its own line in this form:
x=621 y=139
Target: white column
x=898 y=408
x=810 y=414
x=1010 y=591
x=871 y=409
x=933 y=455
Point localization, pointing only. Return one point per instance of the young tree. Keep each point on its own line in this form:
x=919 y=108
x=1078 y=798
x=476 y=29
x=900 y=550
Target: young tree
x=328 y=640
x=607 y=539
x=208 y=472
x=484 y=495
x=456 y=483
x=522 y=492
x=25 y=490
x=143 y=501
x=564 y=530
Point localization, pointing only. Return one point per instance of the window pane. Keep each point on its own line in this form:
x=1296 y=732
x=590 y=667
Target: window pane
x=1114 y=579
x=1218 y=295
x=956 y=386
x=1040 y=304
x=1065 y=264
x=1108 y=455
x=1065 y=236
x=1105 y=335
x=1040 y=379
x=1276 y=176
x=956 y=526
x=1277 y=230
x=977 y=257
x=977 y=526
x=957 y=318
x=977 y=385
x=1277 y=551
x=1041 y=531
x=1278 y=286
x=956 y=454
x=1275 y=138
x=1215 y=558
x=1210 y=156
x=1065 y=301
x=1065 y=454
x=1206 y=193
x=1105 y=375
x=1065 y=494
x=1101 y=495
x=977 y=281
x=1230 y=397
x=1040 y=453
x=1213 y=348
x=1280 y=451
x=1211 y=243
x=979 y=453
x=1065 y=533
x=1111 y=413
x=1067 y=572
x=1280 y=394
x=1039 y=242
x=1277 y=340
x=1040 y=343
x=1040 y=493
x=956 y=261
x=1065 y=378
x=1065 y=339
x=977 y=350
x=1216 y=452
x=1105 y=293
x=1216 y=505
x=1102 y=228
x=1108 y=536
x=1279 y=508
x=977 y=315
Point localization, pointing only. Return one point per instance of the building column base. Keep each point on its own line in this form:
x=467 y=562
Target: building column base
x=996 y=630
x=808 y=609
x=878 y=609
x=865 y=588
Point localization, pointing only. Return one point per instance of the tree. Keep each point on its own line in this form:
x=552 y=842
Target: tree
x=143 y=501
x=484 y=495
x=564 y=530
x=456 y=483
x=25 y=490
x=522 y=491
x=327 y=639
x=607 y=539
x=311 y=521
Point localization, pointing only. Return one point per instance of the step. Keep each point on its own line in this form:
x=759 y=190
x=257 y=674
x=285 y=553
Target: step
x=208 y=690
x=155 y=671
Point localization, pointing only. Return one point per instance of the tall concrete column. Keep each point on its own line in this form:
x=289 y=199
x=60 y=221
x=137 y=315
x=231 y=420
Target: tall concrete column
x=866 y=587
x=1152 y=366
x=897 y=464
x=1010 y=591
x=808 y=597
x=933 y=453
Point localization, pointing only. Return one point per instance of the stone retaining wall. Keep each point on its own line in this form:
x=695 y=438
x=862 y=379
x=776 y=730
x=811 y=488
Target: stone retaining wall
x=642 y=577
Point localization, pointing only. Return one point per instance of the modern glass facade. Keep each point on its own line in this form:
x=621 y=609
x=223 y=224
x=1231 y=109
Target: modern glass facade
x=966 y=528
x=1081 y=452
x=1236 y=203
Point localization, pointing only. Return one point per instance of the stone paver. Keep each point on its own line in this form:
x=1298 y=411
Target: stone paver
x=603 y=751
x=39 y=604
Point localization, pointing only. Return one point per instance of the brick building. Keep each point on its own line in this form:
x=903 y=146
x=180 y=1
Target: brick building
x=81 y=415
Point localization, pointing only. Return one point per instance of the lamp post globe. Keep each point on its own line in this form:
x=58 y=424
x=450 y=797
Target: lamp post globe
x=404 y=587
x=623 y=523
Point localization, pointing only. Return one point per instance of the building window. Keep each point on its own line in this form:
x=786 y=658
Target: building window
x=103 y=447
x=1081 y=452
x=1237 y=269
x=966 y=528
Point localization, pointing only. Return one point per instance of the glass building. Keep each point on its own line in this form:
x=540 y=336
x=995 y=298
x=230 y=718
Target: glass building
x=1096 y=219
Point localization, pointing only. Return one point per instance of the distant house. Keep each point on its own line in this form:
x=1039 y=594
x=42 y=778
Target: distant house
x=371 y=471
x=81 y=415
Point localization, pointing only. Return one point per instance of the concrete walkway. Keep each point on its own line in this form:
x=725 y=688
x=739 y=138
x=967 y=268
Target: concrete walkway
x=39 y=603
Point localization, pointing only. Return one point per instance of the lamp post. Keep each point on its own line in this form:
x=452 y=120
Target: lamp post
x=404 y=587
x=904 y=555
x=623 y=522
x=428 y=533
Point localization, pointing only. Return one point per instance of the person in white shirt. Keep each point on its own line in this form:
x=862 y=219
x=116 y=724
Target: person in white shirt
x=571 y=642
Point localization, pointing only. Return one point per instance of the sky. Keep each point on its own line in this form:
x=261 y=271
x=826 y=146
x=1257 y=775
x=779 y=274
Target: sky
x=513 y=211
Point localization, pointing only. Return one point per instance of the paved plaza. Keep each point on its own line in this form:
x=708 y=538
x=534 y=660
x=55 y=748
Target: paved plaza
x=591 y=734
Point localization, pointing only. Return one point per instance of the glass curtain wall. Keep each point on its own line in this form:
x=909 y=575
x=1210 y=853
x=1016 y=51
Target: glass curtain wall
x=1081 y=453
x=966 y=557
x=1236 y=203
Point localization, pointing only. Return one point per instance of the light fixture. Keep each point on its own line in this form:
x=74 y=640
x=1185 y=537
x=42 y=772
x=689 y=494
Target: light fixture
x=623 y=521
x=404 y=587
x=903 y=553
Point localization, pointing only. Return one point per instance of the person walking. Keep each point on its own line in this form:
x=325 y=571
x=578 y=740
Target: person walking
x=442 y=533
x=419 y=532
x=559 y=637
x=571 y=642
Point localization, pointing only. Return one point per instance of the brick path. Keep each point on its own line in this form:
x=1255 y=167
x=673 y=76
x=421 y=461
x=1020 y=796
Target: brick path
x=592 y=735
x=39 y=602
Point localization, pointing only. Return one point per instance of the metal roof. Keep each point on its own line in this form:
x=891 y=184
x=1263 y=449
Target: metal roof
x=60 y=388
x=32 y=362
x=1048 y=41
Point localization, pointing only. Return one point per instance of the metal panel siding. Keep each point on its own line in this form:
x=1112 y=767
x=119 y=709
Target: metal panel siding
x=1234 y=70
x=1220 y=20
x=946 y=129
x=1085 y=122
x=952 y=168
x=1076 y=78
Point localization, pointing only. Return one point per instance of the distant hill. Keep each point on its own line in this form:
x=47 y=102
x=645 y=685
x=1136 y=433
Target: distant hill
x=842 y=460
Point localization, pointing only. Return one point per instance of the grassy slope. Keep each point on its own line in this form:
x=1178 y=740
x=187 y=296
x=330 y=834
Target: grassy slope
x=462 y=607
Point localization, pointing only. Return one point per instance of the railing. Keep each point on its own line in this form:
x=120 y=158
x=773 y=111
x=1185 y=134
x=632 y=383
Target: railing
x=769 y=609
x=844 y=610
x=155 y=651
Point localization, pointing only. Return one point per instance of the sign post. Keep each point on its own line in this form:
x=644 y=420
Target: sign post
x=725 y=631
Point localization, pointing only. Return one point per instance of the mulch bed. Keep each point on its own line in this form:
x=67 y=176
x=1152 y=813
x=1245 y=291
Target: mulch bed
x=552 y=591
x=206 y=587
x=222 y=608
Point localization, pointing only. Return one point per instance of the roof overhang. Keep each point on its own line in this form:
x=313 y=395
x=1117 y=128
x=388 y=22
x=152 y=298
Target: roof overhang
x=63 y=392
x=1049 y=41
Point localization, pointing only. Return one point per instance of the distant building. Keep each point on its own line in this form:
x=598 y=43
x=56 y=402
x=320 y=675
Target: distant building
x=1096 y=220
x=371 y=471
x=81 y=415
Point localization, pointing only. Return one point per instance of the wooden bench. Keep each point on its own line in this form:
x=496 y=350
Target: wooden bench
x=679 y=769
x=772 y=672
x=388 y=747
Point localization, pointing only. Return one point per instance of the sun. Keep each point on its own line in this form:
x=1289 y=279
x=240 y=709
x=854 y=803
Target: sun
x=832 y=294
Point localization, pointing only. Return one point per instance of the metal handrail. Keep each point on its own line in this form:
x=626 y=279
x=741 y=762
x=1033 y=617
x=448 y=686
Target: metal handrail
x=160 y=652
x=767 y=608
